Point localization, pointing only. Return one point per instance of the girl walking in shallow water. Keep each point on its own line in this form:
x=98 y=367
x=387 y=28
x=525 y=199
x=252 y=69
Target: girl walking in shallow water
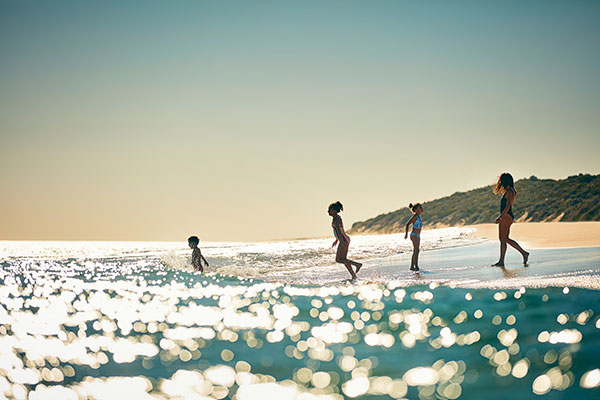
x=415 y=235
x=506 y=186
x=341 y=238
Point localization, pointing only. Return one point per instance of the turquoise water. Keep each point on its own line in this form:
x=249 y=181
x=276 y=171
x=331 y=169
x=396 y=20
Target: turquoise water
x=123 y=320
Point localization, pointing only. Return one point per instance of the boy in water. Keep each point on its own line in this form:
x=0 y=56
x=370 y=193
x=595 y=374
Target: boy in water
x=197 y=256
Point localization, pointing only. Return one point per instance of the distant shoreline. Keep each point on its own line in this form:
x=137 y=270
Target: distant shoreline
x=546 y=234
x=532 y=234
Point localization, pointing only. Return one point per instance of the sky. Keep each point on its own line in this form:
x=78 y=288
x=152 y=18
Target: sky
x=243 y=120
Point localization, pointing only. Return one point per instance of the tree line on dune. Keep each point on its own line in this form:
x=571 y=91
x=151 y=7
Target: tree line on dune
x=576 y=198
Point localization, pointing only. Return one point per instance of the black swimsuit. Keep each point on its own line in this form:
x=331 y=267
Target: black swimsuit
x=503 y=206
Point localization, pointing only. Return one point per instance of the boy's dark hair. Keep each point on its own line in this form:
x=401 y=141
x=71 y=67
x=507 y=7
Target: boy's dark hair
x=193 y=240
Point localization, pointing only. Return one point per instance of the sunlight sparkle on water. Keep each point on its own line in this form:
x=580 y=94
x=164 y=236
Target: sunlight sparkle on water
x=72 y=327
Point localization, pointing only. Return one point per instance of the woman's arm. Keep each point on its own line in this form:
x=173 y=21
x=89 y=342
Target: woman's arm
x=410 y=221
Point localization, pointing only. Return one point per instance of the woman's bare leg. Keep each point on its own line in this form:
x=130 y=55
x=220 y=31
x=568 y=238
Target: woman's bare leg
x=519 y=249
x=503 y=229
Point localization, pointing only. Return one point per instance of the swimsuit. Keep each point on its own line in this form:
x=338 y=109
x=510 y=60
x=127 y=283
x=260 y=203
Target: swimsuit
x=418 y=224
x=341 y=235
x=503 y=206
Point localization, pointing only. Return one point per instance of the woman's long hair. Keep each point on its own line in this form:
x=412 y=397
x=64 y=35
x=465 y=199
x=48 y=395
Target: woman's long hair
x=505 y=181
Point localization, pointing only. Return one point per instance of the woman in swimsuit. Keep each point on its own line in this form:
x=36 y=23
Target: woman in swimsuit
x=506 y=186
x=343 y=239
x=415 y=235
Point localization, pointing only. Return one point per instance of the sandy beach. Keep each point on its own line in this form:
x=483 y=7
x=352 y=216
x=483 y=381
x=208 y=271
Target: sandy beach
x=547 y=234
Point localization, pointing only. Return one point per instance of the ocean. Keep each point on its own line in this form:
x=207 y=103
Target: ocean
x=279 y=320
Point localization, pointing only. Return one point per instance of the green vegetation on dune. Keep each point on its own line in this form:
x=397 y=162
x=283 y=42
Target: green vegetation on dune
x=576 y=198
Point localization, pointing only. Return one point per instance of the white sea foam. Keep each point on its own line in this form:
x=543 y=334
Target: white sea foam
x=238 y=258
x=367 y=245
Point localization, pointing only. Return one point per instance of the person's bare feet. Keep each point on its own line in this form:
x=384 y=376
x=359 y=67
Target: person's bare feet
x=525 y=258
x=498 y=264
x=358 y=267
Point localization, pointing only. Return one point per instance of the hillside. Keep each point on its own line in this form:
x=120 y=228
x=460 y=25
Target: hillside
x=576 y=198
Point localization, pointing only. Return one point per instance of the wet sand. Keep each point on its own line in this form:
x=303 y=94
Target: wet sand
x=547 y=234
x=471 y=266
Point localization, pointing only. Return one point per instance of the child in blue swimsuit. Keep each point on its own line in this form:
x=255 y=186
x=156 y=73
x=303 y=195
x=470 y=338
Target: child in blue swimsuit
x=415 y=235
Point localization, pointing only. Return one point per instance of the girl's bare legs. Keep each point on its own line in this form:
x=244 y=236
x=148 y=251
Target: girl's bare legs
x=503 y=232
x=356 y=264
x=340 y=257
x=414 y=263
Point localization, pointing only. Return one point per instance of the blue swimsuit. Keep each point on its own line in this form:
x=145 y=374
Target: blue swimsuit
x=418 y=224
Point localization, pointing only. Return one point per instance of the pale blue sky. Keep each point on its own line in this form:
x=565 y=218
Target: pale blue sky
x=243 y=120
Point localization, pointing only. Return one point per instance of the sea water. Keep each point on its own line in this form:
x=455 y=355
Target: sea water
x=112 y=320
